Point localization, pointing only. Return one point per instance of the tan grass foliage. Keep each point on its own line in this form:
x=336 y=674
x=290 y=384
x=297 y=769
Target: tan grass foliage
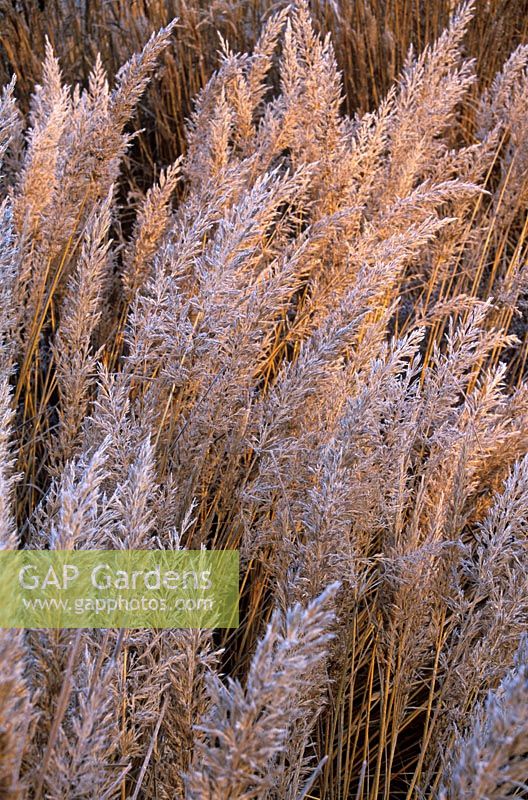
x=288 y=317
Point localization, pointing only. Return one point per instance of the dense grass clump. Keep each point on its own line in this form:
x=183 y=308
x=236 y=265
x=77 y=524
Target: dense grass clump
x=287 y=317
